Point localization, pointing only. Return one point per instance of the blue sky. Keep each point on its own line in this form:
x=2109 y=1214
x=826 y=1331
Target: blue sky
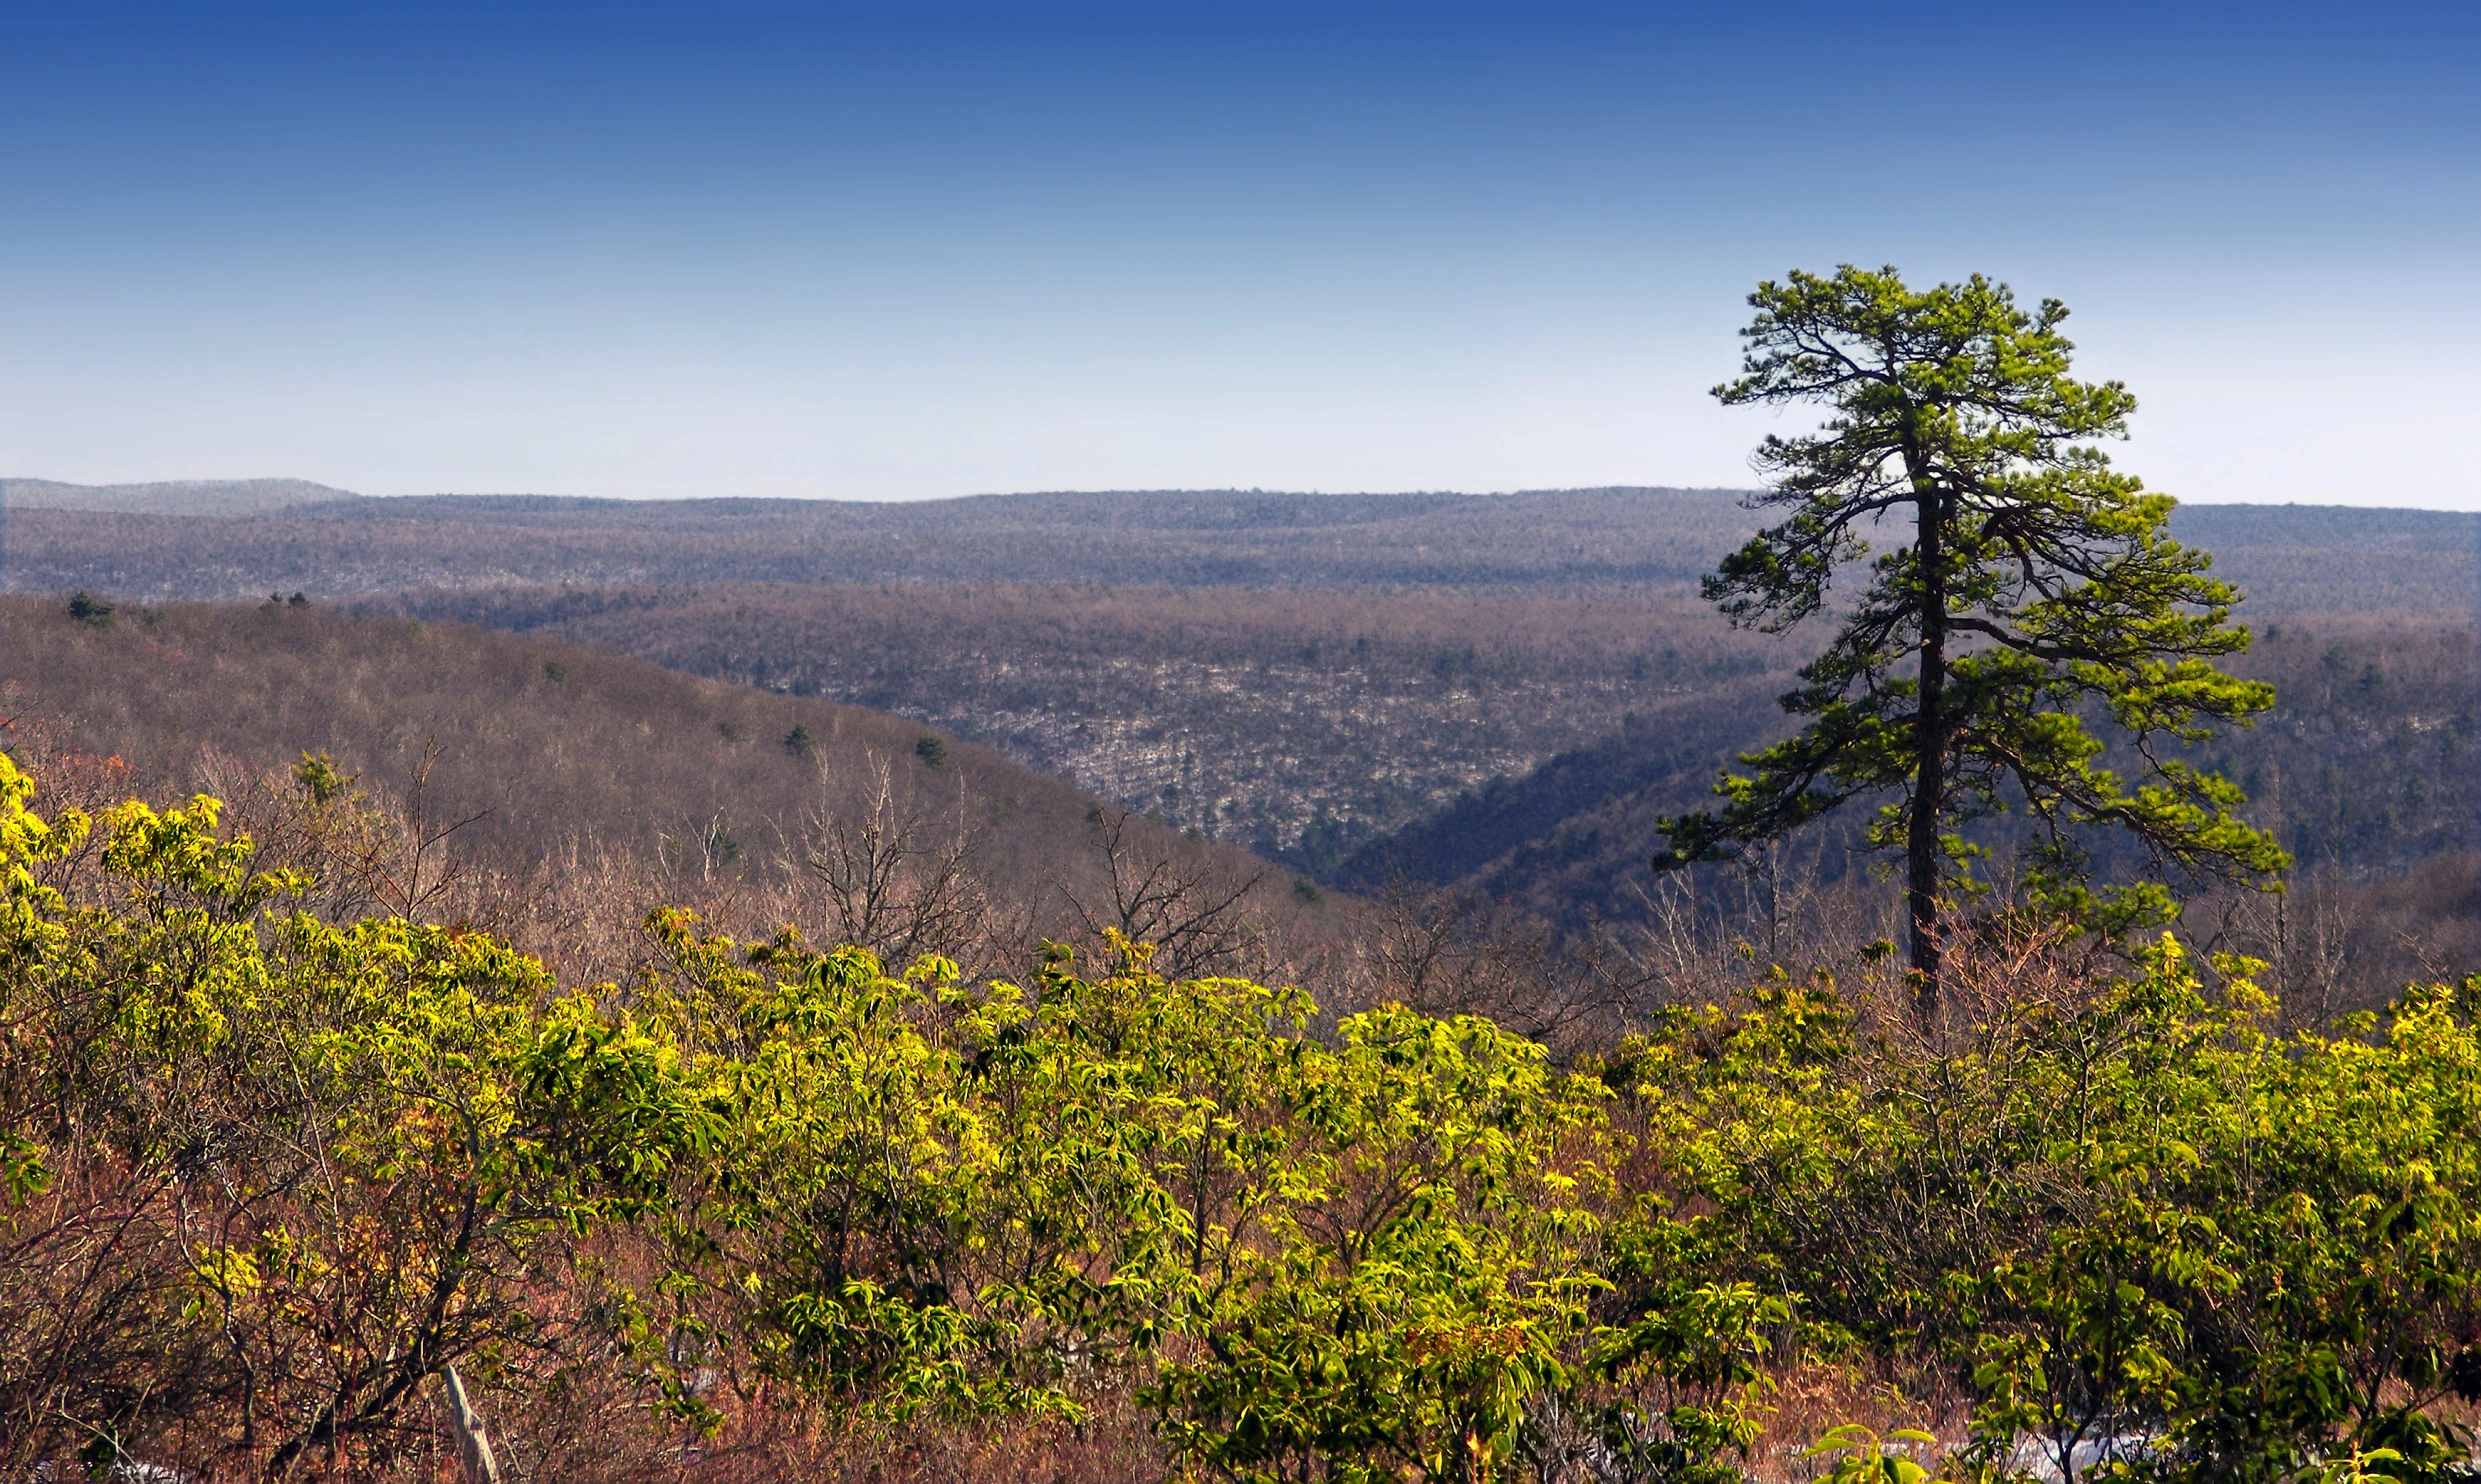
x=910 y=251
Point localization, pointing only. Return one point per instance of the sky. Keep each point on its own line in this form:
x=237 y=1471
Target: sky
x=921 y=250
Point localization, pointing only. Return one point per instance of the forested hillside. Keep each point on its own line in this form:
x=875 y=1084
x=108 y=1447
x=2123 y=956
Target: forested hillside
x=511 y=1031
x=2339 y=559
x=1499 y=695
x=1523 y=745
x=560 y=792
x=1299 y=723
x=2366 y=763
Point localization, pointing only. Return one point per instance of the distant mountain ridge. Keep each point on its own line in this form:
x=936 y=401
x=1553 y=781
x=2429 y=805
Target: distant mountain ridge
x=360 y=548
x=2284 y=557
x=171 y=496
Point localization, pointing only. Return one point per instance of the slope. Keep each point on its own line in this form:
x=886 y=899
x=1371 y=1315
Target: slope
x=1299 y=722
x=2365 y=769
x=552 y=762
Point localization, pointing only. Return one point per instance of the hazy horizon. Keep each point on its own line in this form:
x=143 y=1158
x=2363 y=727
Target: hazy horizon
x=1008 y=494
x=839 y=253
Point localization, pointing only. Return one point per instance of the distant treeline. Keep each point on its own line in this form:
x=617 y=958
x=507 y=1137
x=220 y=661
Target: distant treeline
x=1185 y=539
x=169 y=497
x=2285 y=557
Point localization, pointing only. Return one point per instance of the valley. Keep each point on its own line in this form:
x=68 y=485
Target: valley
x=1496 y=696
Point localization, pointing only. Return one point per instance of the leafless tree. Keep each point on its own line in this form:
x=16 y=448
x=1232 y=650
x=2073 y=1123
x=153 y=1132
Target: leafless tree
x=408 y=869
x=892 y=880
x=1191 y=911
x=1446 y=952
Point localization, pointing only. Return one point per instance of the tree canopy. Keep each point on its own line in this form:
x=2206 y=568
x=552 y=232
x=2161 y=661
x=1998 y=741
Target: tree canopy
x=2016 y=589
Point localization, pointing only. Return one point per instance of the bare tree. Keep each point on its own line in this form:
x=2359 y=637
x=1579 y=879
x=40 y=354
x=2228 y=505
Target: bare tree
x=407 y=869
x=892 y=881
x=1193 y=913
x=1445 y=952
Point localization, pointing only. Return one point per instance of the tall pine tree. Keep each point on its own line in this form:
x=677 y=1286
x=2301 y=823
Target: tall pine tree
x=2016 y=587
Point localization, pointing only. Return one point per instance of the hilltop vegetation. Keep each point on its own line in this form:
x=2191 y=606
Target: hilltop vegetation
x=276 y=1172
x=720 y=1080
x=513 y=1031
x=170 y=497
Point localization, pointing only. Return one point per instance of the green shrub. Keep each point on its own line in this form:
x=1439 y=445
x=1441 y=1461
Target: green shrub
x=337 y=1157
x=340 y=1156
x=2118 y=1208
x=318 y=777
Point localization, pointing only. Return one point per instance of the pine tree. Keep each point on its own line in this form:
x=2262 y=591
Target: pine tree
x=2030 y=588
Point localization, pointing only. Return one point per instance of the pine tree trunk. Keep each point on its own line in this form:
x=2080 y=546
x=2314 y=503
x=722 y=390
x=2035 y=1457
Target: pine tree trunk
x=1921 y=841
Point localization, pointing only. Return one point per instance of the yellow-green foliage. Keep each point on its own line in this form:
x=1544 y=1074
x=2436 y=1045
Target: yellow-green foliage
x=269 y=1175
x=1367 y=1250
x=361 y=1152
x=335 y=1157
x=2137 y=1212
